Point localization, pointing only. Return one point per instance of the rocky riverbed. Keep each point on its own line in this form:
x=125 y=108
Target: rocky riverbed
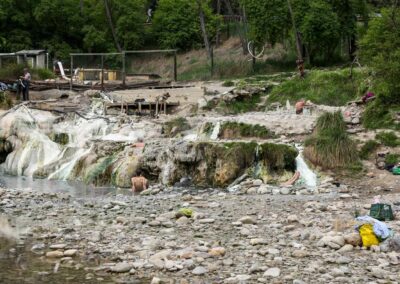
x=225 y=237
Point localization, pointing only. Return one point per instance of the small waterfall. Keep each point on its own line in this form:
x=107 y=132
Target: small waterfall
x=64 y=172
x=257 y=164
x=216 y=130
x=307 y=176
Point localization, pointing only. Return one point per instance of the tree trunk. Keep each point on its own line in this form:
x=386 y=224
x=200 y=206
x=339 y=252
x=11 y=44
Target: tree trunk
x=217 y=37
x=243 y=32
x=228 y=6
x=110 y=23
x=203 y=29
x=299 y=43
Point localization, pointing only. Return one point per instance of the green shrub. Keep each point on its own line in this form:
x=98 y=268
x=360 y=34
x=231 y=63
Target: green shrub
x=389 y=139
x=5 y=101
x=14 y=71
x=44 y=74
x=330 y=145
x=228 y=84
x=378 y=115
x=392 y=159
x=368 y=148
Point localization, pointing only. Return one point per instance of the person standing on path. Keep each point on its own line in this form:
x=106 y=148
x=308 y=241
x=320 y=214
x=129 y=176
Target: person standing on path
x=26 y=80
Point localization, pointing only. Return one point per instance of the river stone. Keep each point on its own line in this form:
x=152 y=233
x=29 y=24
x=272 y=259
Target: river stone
x=122 y=267
x=353 y=239
x=199 y=270
x=258 y=241
x=272 y=272
x=70 y=252
x=218 y=251
x=58 y=246
x=54 y=254
x=247 y=220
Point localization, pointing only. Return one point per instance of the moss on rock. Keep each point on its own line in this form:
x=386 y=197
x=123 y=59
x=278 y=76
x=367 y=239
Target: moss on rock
x=174 y=127
x=236 y=130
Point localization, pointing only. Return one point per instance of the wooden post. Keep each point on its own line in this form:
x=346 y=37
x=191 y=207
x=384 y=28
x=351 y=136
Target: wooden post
x=156 y=107
x=123 y=69
x=140 y=107
x=175 y=67
x=71 y=72
x=102 y=73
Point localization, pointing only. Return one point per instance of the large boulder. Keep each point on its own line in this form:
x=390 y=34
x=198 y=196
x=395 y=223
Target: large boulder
x=216 y=164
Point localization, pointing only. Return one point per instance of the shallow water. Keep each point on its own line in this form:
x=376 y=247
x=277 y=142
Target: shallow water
x=73 y=188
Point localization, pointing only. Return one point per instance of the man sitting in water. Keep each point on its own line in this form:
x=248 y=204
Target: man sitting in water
x=300 y=106
x=139 y=183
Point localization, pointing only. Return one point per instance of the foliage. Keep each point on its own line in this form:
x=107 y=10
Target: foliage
x=228 y=83
x=379 y=115
x=334 y=88
x=330 y=145
x=14 y=71
x=176 y=24
x=389 y=139
x=368 y=148
x=392 y=159
x=63 y=26
x=232 y=130
x=320 y=28
x=176 y=126
x=380 y=48
x=5 y=101
x=267 y=20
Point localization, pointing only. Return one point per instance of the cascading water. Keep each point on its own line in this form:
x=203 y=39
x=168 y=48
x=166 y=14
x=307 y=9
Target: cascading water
x=307 y=176
x=257 y=165
x=216 y=130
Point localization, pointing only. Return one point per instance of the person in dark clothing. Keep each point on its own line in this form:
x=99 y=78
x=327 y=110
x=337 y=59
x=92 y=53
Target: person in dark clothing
x=25 y=81
x=151 y=10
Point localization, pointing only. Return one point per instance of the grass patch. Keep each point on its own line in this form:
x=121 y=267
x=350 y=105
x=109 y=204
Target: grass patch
x=235 y=130
x=228 y=83
x=328 y=87
x=368 y=148
x=330 y=146
x=239 y=105
x=378 y=116
x=389 y=139
x=392 y=159
x=14 y=71
x=175 y=126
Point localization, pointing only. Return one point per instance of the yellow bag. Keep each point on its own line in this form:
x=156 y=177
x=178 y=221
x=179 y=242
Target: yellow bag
x=368 y=236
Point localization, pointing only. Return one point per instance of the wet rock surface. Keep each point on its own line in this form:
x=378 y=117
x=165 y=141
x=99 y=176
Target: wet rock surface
x=230 y=237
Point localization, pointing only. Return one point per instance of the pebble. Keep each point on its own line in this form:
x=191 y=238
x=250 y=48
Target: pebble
x=272 y=272
x=200 y=270
x=54 y=254
x=122 y=267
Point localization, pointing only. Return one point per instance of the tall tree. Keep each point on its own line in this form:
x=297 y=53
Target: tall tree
x=299 y=43
x=111 y=25
x=204 y=29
